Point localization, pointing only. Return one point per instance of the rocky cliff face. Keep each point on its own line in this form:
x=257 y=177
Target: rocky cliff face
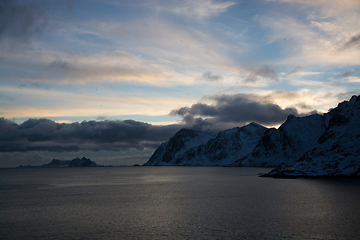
x=337 y=150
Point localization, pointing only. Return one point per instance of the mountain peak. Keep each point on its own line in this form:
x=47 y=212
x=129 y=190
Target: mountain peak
x=254 y=124
x=291 y=116
x=354 y=99
x=336 y=153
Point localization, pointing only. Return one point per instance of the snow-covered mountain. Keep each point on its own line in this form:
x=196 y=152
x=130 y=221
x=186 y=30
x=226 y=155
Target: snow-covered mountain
x=287 y=143
x=337 y=151
x=207 y=149
x=169 y=152
x=314 y=145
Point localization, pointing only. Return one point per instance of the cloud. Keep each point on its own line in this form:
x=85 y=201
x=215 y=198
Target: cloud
x=201 y=8
x=66 y=103
x=14 y=159
x=59 y=64
x=295 y=70
x=353 y=79
x=235 y=109
x=352 y=42
x=315 y=39
x=116 y=66
x=19 y=21
x=324 y=3
x=47 y=135
x=264 y=71
x=346 y=74
x=180 y=46
x=209 y=76
x=156 y=53
x=146 y=51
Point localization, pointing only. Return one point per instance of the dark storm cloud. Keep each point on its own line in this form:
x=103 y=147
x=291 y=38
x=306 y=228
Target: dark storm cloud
x=353 y=41
x=264 y=71
x=239 y=108
x=209 y=76
x=20 y=20
x=47 y=135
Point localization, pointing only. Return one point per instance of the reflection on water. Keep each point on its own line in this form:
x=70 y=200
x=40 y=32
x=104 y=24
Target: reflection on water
x=174 y=203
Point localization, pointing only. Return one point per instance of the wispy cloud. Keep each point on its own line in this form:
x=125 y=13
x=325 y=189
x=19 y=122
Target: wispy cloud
x=345 y=4
x=55 y=103
x=183 y=47
x=346 y=74
x=316 y=38
x=311 y=96
x=352 y=42
x=201 y=8
x=156 y=53
x=196 y=10
x=354 y=80
x=209 y=76
x=44 y=67
x=59 y=64
x=19 y=21
x=264 y=71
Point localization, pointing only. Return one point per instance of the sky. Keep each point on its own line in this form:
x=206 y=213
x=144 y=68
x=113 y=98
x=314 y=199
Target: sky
x=110 y=80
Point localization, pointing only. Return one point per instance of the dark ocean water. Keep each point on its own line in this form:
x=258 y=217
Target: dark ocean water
x=174 y=203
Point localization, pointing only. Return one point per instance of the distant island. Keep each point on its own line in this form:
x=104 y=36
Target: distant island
x=76 y=162
x=325 y=145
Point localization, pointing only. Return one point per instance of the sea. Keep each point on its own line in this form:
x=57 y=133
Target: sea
x=174 y=203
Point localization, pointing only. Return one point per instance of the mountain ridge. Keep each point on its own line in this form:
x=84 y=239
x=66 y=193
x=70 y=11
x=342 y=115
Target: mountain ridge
x=56 y=163
x=294 y=141
x=337 y=151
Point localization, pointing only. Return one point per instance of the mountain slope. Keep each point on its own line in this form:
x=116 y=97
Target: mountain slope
x=287 y=143
x=228 y=146
x=57 y=163
x=316 y=145
x=193 y=148
x=337 y=151
x=168 y=153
